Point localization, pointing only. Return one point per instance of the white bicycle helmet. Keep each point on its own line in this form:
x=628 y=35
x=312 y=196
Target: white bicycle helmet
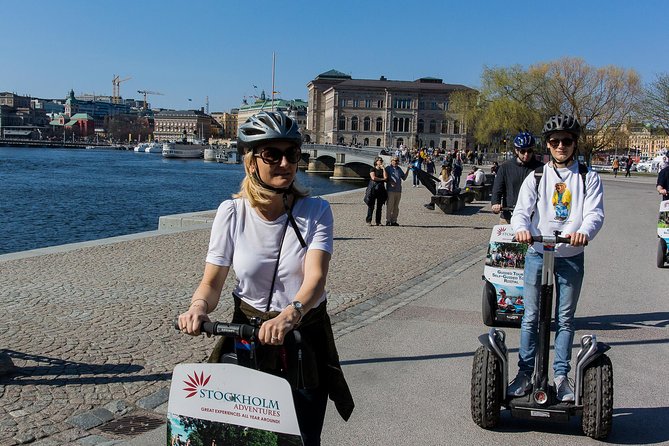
x=265 y=127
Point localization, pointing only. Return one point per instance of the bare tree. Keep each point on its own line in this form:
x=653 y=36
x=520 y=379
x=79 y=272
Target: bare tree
x=602 y=99
x=655 y=103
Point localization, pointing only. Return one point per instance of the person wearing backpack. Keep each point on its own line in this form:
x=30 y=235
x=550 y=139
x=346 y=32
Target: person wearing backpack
x=561 y=196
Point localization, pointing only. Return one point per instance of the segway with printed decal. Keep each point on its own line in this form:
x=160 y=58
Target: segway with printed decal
x=231 y=402
x=502 y=300
x=663 y=234
x=593 y=390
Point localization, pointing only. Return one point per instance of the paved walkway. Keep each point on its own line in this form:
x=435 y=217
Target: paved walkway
x=87 y=331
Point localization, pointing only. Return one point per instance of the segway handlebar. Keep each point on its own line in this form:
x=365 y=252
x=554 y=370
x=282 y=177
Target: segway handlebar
x=243 y=331
x=550 y=239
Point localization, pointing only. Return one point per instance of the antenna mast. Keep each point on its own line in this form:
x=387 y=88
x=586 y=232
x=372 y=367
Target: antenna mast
x=273 y=90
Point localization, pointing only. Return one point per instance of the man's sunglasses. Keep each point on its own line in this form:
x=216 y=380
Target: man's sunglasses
x=555 y=142
x=272 y=155
x=524 y=151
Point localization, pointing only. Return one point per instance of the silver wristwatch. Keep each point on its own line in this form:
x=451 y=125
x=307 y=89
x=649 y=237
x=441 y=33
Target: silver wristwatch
x=299 y=307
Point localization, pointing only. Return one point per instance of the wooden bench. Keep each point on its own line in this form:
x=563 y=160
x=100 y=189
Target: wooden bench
x=450 y=204
x=480 y=193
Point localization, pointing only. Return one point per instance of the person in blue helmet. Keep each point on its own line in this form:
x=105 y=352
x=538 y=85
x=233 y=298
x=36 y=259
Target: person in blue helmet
x=511 y=174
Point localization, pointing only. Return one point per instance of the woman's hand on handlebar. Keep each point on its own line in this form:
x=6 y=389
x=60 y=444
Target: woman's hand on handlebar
x=191 y=321
x=274 y=331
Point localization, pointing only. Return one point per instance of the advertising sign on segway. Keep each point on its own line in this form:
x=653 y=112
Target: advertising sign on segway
x=503 y=279
x=663 y=234
x=230 y=404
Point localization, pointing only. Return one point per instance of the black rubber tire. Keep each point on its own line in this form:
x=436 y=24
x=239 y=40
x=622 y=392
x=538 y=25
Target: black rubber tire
x=489 y=304
x=486 y=388
x=598 y=398
x=661 y=253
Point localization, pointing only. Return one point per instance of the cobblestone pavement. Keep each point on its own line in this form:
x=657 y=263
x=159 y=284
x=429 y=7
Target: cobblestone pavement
x=87 y=334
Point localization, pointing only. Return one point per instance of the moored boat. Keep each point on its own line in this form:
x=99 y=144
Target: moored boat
x=182 y=150
x=154 y=147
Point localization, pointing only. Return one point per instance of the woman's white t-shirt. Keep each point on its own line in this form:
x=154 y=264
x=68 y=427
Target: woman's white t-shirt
x=242 y=239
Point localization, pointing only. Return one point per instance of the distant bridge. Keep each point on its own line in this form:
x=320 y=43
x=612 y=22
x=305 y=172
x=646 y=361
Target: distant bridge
x=341 y=162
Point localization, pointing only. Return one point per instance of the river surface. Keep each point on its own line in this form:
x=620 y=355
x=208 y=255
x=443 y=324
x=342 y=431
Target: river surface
x=55 y=196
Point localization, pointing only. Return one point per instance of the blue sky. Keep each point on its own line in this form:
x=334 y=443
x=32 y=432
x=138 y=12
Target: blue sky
x=222 y=48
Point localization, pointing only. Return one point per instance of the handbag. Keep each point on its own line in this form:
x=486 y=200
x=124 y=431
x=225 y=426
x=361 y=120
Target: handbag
x=369 y=193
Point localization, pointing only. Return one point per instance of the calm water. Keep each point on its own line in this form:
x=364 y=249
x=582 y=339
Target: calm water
x=55 y=196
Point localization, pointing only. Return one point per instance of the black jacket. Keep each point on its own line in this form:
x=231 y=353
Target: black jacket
x=508 y=180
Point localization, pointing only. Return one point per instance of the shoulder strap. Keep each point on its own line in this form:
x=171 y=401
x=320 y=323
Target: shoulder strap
x=583 y=170
x=538 y=174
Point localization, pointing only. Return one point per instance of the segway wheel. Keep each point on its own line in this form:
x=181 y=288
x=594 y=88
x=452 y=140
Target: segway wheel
x=661 y=253
x=488 y=304
x=598 y=398
x=486 y=388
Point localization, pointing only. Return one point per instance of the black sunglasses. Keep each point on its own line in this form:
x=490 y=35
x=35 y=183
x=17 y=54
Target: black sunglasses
x=555 y=142
x=525 y=150
x=272 y=155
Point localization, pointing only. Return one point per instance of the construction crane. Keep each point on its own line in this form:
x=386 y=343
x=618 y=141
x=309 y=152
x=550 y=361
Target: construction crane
x=147 y=92
x=116 y=88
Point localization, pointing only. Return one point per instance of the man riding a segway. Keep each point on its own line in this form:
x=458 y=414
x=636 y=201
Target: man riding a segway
x=536 y=212
x=511 y=174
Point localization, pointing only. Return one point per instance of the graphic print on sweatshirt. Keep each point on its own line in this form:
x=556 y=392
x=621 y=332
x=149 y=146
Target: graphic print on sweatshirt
x=561 y=202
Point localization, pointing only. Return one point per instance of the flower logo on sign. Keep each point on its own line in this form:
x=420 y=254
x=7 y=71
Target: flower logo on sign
x=194 y=382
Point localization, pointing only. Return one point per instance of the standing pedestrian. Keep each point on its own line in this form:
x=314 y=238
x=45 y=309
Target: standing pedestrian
x=628 y=167
x=429 y=166
x=395 y=176
x=615 y=166
x=457 y=169
x=416 y=164
x=535 y=214
x=379 y=176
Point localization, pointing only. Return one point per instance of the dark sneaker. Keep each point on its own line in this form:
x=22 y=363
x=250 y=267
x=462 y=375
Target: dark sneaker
x=520 y=386
x=563 y=389
x=388 y=223
x=394 y=224
x=430 y=206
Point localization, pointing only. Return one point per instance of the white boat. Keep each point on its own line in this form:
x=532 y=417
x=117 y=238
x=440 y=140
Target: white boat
x=141 y=147
x=183 y=150
x=154 y=147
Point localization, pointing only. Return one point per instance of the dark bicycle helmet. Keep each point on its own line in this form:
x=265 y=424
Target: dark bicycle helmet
x=524 y=140
x=562 y=123
x=267 y=126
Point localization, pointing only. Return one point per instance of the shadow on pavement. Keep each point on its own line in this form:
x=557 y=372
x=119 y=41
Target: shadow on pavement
x=658 y=319
x=58 y=372
x=630 y=426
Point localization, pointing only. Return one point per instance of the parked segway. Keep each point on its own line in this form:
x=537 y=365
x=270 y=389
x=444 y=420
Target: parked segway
x=231 y=402
x=593 y=390
x=663 y=234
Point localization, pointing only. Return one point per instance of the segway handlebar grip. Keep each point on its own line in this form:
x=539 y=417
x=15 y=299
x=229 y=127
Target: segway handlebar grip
x=540 y=239
x=243 y=331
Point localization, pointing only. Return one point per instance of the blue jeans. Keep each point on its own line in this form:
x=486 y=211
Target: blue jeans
x=568 y=279
x=416 y=181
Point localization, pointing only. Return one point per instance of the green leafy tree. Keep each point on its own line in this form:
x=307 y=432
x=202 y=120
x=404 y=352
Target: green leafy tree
x=506 y=104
